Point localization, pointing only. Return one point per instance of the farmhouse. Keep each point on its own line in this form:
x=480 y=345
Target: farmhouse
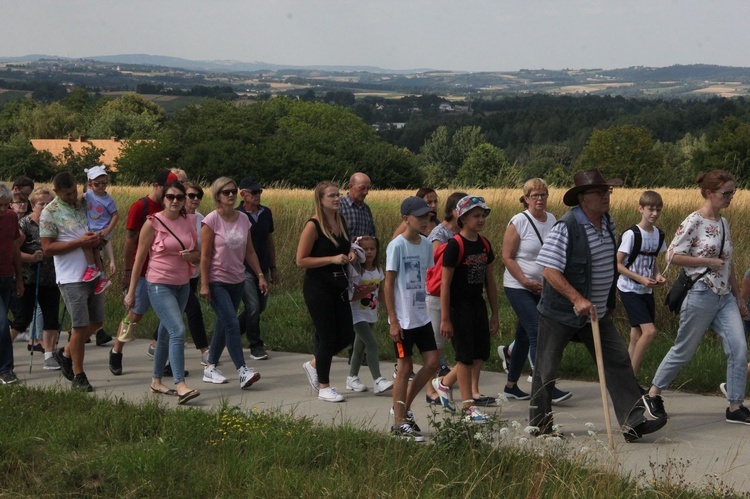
x=56 y=147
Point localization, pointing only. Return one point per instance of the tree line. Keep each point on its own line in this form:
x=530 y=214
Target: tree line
x=299 y=141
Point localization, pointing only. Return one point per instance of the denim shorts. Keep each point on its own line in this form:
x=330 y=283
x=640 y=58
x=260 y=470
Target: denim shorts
x=142 y=301
x=84 y=307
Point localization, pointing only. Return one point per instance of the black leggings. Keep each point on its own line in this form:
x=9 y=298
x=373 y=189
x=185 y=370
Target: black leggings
x=194 y=318
x=49 y=302
x=332 y=317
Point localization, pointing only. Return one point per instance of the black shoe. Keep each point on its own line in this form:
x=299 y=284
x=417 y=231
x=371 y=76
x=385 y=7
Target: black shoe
x=643 y=428
x=484 y=401
x=444 y=370
x=37 y=348
x=654 y=407
x=738 y=416
x=560 y=395
x=66 y=364
x=8 y=378
x=102 y=338
x=258 y=353
x=168 y=372
x=81 y=383
x=115 y=363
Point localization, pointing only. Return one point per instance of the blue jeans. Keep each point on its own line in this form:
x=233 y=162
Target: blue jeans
x=702 y=309
x=225 y=300
x=255 y=303
x=7 y=287
x=168 y=302
x=523 y=302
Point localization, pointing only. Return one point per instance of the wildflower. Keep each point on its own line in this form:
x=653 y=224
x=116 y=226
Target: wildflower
x=504 y=432
x=523 y=440
x=590 y=426
x=530 y=430
x=516 y=425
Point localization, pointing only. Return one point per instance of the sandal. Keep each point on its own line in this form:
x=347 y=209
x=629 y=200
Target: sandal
x=169 y=391
x=188 y=396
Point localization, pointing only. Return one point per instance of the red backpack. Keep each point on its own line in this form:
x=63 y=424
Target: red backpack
x=435 y=274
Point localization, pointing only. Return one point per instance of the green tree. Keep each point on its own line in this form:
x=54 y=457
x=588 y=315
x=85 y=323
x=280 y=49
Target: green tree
x=443 y=153
x=129 y=116
x=53 y=121
x=727 y=148
x=18 y=157
x=486 y=166
x=139 y=159
x=76 y=162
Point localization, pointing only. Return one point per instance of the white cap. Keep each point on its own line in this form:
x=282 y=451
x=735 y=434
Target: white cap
x=95 y=172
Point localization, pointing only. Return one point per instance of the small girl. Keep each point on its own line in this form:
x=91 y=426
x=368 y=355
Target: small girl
x=102 y=216
x=364 y=303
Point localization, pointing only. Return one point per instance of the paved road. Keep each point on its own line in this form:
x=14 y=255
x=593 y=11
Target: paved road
x=697 y=444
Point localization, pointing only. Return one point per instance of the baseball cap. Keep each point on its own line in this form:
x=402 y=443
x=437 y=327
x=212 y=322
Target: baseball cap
x=164 y=177
x=468 y=203
x=416 y=206
x=95 y=172
x=250 y=184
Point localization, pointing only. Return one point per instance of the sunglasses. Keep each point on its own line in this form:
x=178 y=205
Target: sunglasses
x=229 y=192
x=172 y=197
x=333 y=195
x=256 y=192
x=727 y=194
x=193 y=195
x=100 y=183
x=601 y=192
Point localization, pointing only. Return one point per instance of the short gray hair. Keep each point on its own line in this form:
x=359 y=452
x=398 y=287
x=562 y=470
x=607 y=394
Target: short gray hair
x=6 y=196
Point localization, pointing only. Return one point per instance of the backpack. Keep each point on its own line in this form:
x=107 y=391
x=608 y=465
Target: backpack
x=435 y=273
x=637 y=242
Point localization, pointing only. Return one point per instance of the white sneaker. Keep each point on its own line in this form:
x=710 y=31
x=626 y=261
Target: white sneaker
x=248 y=376
x=213 y=375
x=723 y=388
x=474 y=415
x=204 y=358
x=312 y=375
x=353 y=383
x=381 y=385
x=330 y=394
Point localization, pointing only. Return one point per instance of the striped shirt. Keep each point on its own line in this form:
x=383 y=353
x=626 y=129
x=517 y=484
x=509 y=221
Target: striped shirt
x=602 y=247
x=359 y=219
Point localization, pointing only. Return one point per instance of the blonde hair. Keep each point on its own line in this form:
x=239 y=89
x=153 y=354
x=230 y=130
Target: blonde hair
x=38 y=193
x=180 y=174
x=218 y=186
x=533 y=184
x=320 y=190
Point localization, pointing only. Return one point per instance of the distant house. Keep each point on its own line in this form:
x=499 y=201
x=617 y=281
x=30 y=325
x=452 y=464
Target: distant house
x=445 y=107
x=56 y=147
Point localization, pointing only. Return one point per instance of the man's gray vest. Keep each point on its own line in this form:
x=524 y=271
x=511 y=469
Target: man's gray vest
x=577 y=273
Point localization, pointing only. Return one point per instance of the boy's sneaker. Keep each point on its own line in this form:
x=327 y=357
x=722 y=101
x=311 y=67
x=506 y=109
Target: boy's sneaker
x=381 y=385
x=330 y=394
x=395 y=372
x=204 y=358
x=150 y=351
x=8 y=378
x=445 y=395
x=102 y=285
x=409 y=419
x=353 y=383
x=405 y=432
x=654 y=407
x=560 y=395
x=213 y=375
x=102 y=338
x=504 y=353
x=738 y=416
x=248 y=376
x=65 y=363
x=258 y=353
x=90 y=274
x=515 y=393
x=115 y=362
x=474 y=415
x=312 y=376
x=50 y=364
x=723 y=388
x=81 y=383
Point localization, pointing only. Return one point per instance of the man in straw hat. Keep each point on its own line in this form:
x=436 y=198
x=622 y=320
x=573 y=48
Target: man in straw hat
x=579 y=262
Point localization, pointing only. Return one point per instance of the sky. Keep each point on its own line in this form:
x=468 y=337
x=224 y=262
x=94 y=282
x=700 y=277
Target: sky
x=467 y=35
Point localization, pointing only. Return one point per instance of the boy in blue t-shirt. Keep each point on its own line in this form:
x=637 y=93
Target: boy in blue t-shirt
x=639 y=275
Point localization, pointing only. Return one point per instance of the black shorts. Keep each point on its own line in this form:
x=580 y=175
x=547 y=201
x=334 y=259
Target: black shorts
x=471 y=331
x=421 y=336
x=640 y=308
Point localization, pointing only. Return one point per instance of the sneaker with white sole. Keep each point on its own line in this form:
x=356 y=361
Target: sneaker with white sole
x=381 y=385
x=213 y=375
x=654 y=407
x=445 y=396
x=50 y=364
x=405 y=431
x=248 y=376
x=515 y=393
x=723 y=388
x=90 y=274
x=330 y=394
x=204 y=358
x=560 y=395
x=740 y=415
x=409 y=419
x=474 y=415
x=504 y=353
x=102 y=286
x=151 y=351
x=312 y=375
x=353 y=383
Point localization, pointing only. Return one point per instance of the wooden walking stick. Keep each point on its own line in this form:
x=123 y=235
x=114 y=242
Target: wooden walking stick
x=602 y=380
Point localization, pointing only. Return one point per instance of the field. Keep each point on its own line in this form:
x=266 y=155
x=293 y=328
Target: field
x=286 y=323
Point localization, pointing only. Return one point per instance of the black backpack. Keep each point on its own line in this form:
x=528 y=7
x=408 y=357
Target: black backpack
x=637 y=242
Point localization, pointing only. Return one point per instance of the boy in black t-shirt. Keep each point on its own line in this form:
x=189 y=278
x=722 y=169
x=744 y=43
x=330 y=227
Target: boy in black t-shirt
x=467 y=268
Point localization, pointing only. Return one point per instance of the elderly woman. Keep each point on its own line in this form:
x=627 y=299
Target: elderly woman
x=41 y=292
x=703 y=247
x=10 y=266
x=227 y=244
x=522 y=281
x=170 y=242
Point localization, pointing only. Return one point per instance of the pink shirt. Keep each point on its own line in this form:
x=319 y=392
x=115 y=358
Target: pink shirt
x=230 y=243
x=166 y=265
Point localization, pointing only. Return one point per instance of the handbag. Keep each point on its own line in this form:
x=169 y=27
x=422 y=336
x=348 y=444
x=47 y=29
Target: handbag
x=677 y=293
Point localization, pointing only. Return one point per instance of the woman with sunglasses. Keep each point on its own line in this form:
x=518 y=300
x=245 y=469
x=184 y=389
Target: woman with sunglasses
x=170 y=241
x=227 y=245
x=522 y=283
x=703 y=248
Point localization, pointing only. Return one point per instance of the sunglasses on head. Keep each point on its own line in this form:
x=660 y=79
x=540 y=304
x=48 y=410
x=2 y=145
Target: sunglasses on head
x=172 y=197
x=193 y=195
x=229 y=192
